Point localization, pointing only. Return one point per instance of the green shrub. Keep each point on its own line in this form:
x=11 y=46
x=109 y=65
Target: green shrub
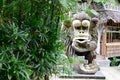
x=114 y=61
x=28 y=38
x=12 y=49
x=28 y=34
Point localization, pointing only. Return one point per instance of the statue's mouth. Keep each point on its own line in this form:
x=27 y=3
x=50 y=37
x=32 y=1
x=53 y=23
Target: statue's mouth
x=79 y=44
x=81 y=39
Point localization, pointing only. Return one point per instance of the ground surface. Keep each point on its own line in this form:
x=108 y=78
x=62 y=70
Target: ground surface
x=111 y=73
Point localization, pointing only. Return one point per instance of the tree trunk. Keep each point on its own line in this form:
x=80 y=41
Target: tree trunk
x=46 y=77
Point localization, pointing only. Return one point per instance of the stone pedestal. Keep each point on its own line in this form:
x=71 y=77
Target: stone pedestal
x=97 y=76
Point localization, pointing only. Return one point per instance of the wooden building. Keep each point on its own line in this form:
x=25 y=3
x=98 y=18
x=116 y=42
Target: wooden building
x=111 y=34
x=108 y=30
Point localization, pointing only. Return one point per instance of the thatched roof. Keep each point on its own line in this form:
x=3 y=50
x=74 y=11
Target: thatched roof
x=107 y=14
x=113 y=15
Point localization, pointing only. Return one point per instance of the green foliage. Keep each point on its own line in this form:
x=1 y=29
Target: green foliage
x=66 y=64
x=99 y=1
x=69 y=4
x=114 y=61
x=28 y=38
x=12 y=48
x=106 y=1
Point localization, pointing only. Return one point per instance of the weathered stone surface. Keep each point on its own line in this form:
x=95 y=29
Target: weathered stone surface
x=97 y=76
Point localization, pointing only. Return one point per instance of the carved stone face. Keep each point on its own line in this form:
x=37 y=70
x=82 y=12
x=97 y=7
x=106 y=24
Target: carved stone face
x=79 y=27
x=81 y=34
x=81 y=30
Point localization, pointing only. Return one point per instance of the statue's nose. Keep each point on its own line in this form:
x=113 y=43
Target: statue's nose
x=81 y=31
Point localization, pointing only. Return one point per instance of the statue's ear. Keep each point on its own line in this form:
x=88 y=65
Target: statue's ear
x=94 y=22
x=67 y=23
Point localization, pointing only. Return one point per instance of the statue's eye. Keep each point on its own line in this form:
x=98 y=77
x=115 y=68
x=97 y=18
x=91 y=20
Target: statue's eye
x=77 y=28
x=86 y=23
x=76 y=23
x=84 y=28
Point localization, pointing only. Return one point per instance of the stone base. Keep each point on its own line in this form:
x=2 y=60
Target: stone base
x=97 y=76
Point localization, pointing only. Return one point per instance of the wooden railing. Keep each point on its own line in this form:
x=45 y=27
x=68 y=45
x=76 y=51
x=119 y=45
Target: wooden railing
x=113 y=49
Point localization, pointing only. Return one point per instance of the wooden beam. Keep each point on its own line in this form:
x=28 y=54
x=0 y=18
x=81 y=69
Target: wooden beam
x=104 y=42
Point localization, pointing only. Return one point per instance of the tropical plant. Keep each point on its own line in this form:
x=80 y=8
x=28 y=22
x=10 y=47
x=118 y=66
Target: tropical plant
x=114 y=61
x=13 y=48
x=29 y=30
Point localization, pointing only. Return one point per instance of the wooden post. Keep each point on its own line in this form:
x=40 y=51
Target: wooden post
x=104 y=52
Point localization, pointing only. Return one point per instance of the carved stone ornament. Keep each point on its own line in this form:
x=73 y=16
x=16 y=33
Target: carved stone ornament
x=81 y=40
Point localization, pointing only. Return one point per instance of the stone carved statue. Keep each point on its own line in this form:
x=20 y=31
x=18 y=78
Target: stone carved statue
x=81 y=40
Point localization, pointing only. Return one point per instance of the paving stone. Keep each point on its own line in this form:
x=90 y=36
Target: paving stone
x=103 y=62
x=97 y=76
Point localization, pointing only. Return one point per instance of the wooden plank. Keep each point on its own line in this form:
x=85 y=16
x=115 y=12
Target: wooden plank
x=113 y=49
x=113 y=44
